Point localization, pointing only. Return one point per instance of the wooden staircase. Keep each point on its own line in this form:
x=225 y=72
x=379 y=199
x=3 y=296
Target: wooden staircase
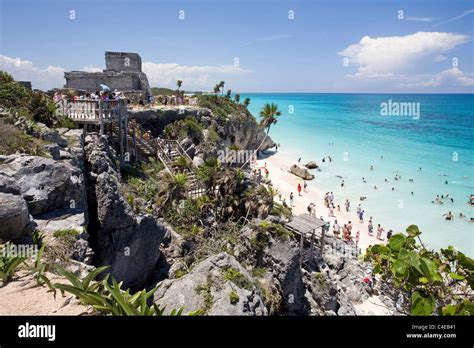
x=167 y=151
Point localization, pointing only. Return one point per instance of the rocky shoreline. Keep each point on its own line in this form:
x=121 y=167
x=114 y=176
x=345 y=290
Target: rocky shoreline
x=254 y=270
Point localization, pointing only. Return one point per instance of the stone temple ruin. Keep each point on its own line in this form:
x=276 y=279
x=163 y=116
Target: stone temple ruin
x=123 y=72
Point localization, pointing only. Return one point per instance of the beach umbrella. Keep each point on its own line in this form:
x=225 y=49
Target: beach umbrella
x=104 y=88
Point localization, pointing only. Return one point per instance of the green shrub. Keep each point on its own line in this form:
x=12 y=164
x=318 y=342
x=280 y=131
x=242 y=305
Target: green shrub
x=205 y=290
x=233 y=297
x=66 y=233
x=8 y=263
x=429 y=280
x=108 y=297
x=233 y=275
x=259 y=272
x=12 y=140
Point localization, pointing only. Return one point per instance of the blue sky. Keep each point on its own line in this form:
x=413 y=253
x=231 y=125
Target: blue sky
x=329 y=46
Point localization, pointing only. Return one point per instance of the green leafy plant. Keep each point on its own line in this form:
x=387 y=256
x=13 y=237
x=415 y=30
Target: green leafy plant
x=233 y=275
x=40 y=269
x=9 y=263
x=107 y=297
x=430 y=281
x=205 y=290
x=234 y=297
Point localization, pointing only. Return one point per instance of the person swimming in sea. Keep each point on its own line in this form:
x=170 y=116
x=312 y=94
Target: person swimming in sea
x=371 y=167
x=449 y=216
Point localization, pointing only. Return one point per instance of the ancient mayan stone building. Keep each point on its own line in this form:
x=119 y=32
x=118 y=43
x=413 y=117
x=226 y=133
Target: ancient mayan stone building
x=123 y=72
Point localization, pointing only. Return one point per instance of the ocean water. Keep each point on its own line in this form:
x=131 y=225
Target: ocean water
x=440 y=140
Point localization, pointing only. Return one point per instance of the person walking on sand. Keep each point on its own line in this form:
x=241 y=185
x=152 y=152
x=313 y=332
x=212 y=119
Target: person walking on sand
x=305 y=185
x=361 y=216
x=336 y=229
x=379 y=232
x=370 y=227
x=331 y=211
x=357 y=239
x=299 y=189
x=347 y=205
x=359 y=209
x=349 y=227
x=291 y=199
x=345 y=232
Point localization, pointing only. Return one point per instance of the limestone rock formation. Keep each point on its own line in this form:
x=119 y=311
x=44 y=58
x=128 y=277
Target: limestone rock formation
x=45 y=184
x=211 y=288
x=129 y=243
x=14 y=217
x=311 y=165
x=301 y=172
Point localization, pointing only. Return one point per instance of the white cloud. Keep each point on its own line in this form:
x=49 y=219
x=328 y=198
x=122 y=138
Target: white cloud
x=386 y=56
x=270 y=38
x=419 y=19
x=91 y=68
x=25 y=70
x=465 y=13
x=194 y=76
x=449 y=77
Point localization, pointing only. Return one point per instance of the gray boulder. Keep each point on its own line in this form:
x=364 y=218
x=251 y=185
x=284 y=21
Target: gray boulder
x=198 y=161
x=210 y=288
x=301 y=172
x=14 y=217
x=311 y=165
x=8 y=184
x=282 y=258
x=50 y=135
x=45 y=184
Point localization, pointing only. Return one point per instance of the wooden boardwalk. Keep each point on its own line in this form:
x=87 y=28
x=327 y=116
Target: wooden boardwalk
x=113 y=115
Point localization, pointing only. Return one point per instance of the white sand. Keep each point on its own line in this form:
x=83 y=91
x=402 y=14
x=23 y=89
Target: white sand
x=285 y=183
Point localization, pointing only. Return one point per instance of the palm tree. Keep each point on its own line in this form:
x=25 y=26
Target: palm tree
x=221 y=85
x=173 y=190
x=229 y=92
x=237 y=98
x=246 y=102
x=268 y=116
x=217 y=88
x=178 y=83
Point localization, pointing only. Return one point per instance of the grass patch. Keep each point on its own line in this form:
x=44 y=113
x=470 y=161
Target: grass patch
x=233 y=275
x=12 y=140
x=205 y=290
x=259 y=272
x=65 y=234
x=234 y=297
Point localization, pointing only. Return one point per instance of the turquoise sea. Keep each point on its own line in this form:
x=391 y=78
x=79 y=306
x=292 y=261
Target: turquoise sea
x=440 y=141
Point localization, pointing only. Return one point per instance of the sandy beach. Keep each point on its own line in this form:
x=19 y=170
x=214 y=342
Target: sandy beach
x=286 y=182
